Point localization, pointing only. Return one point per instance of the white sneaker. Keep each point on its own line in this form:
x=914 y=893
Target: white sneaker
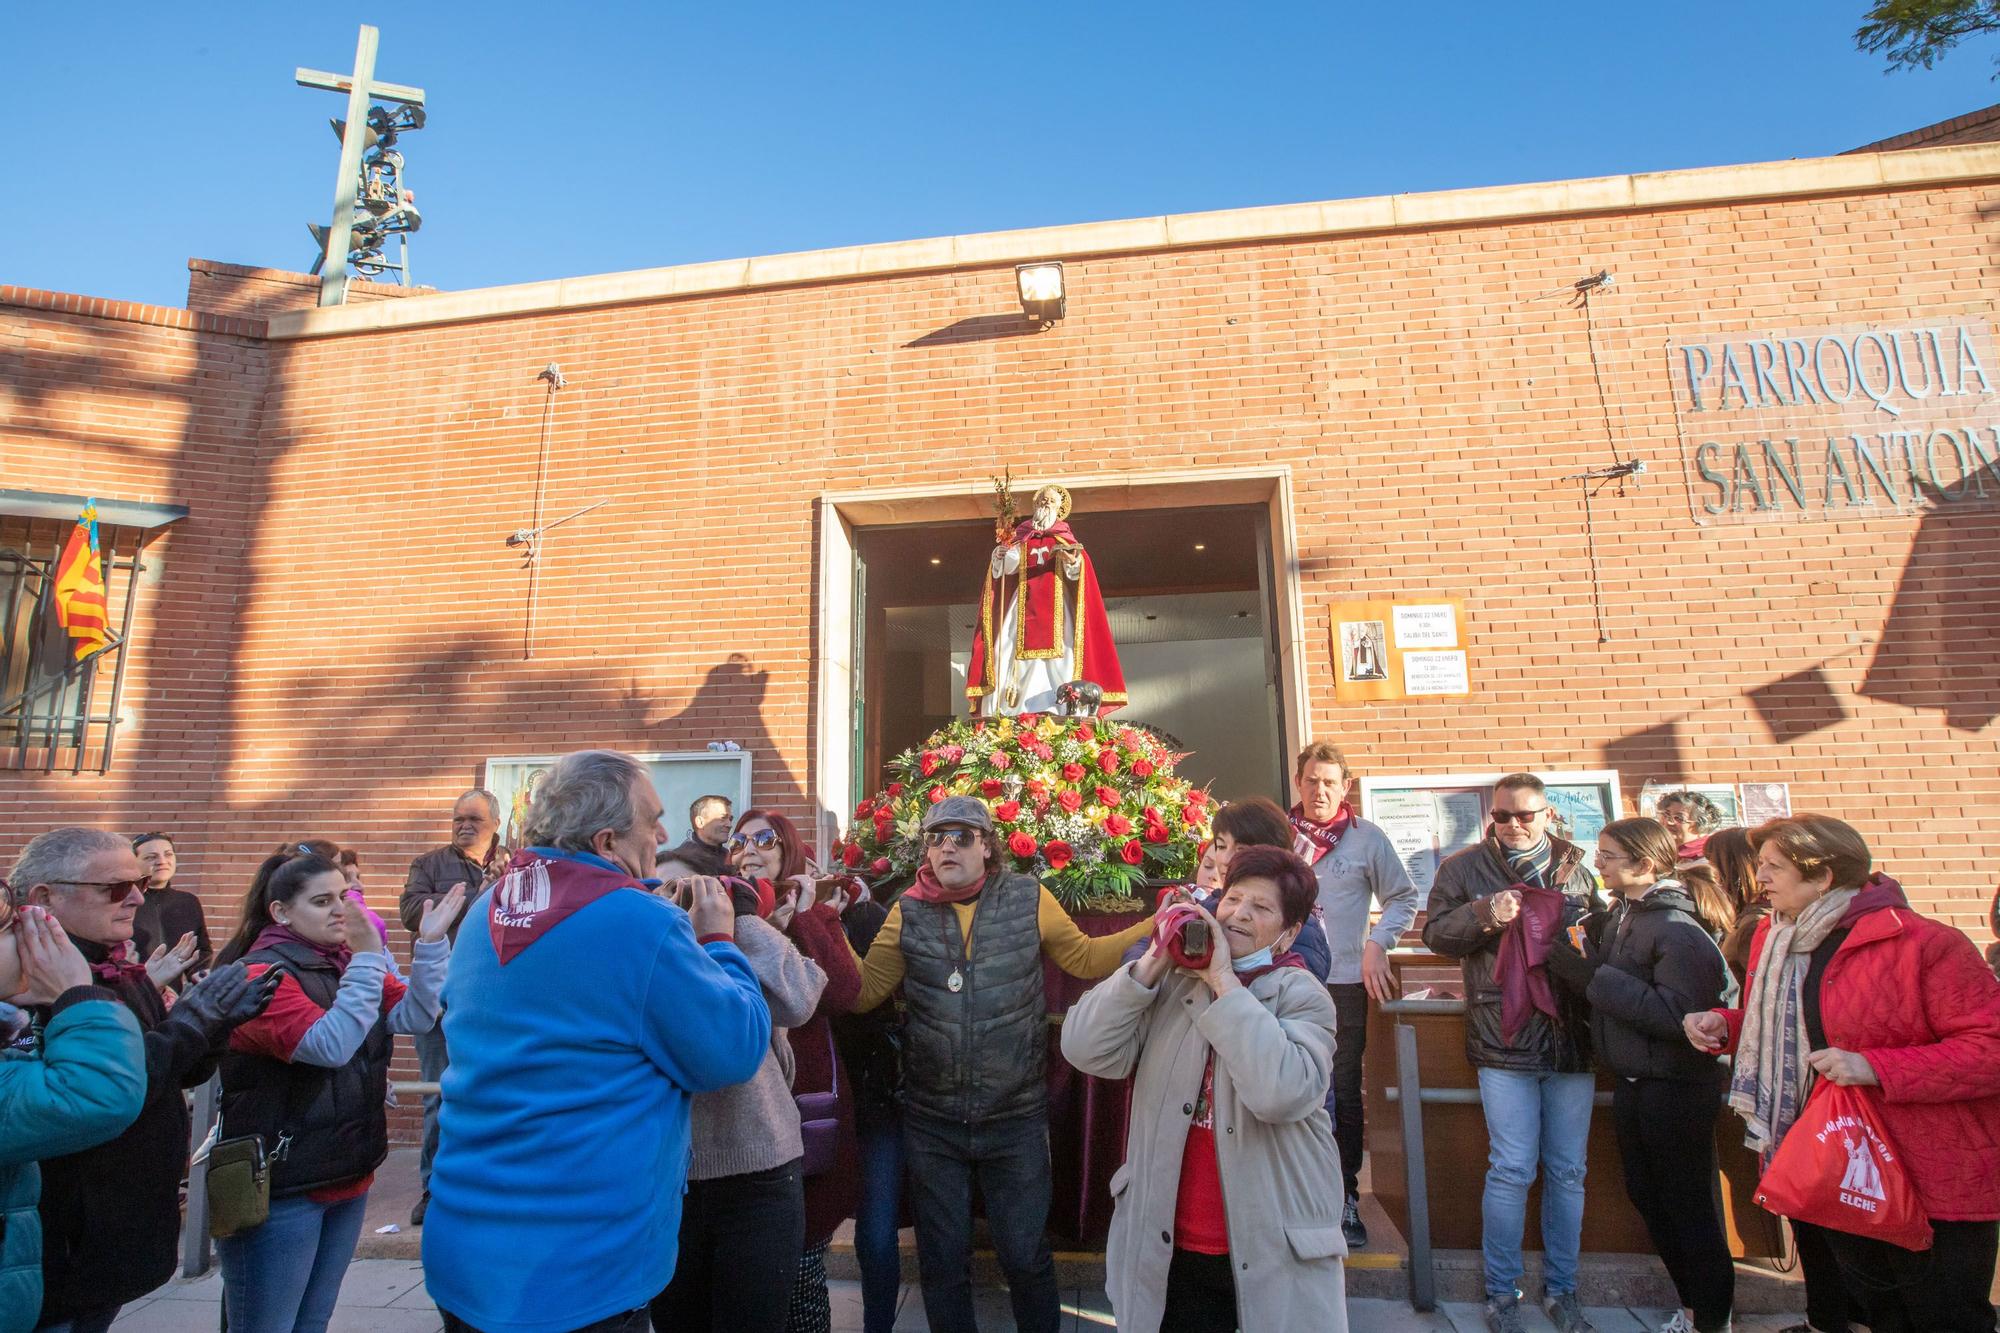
x=1678 y=1323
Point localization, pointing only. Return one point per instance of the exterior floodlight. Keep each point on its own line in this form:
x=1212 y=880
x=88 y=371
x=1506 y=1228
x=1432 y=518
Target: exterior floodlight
x=1042 y=295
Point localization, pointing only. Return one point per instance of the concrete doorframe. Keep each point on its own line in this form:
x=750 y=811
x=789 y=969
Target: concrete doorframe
x=841 y=512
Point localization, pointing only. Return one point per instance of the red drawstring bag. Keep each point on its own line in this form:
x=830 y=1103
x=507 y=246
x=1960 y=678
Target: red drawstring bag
x=1837 y=1169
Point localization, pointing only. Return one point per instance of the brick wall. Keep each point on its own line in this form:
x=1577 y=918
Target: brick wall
x=238 y=289
x=337 y=642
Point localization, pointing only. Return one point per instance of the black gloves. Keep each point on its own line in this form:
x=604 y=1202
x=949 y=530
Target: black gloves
x=1572 y=967
x=223 y=999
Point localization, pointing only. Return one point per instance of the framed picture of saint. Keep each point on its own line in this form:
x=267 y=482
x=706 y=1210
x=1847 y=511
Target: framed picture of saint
x=1362 y=652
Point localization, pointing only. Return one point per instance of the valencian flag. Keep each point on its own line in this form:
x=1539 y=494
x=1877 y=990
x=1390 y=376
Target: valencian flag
x=80 y=601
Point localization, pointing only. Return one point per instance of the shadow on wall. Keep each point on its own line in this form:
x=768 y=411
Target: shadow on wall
x=1940 y=647
x=978 y=328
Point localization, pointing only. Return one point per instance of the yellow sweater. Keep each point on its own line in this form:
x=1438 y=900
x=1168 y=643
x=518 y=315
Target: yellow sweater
x=1063 y=941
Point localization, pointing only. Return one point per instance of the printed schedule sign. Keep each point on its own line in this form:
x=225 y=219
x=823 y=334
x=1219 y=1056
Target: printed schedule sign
x=1399 y=650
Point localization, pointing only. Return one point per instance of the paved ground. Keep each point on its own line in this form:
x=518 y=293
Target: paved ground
x=387 y=1296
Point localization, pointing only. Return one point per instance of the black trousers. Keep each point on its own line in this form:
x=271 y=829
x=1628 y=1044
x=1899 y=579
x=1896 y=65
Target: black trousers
x=1201 y=1294
x=741 y=1238
x=1350 y=1036
x=1943 y=1289
x=1009 y=1161
x=1666 y=1141
x=632 y=1321
x=1830 y=1307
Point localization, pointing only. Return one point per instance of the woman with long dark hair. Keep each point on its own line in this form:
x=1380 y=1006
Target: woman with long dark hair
x=1728 y=852
x=747 y=1225
x=1654 y=963
x=309 y=1076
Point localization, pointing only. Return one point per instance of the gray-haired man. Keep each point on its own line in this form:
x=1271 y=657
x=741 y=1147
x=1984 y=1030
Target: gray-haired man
x=473 y=858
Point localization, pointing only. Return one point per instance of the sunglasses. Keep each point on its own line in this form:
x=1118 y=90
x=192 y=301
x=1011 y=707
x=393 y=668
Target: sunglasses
x=955 y=837
x=114 y=890
x=1525 y=816
x=763 y=840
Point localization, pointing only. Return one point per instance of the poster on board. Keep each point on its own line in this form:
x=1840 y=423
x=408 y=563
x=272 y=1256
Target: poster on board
x=1398 y=650
x=677 y=778
x=1765 y=801
x=1429 y=817
x=1721 y=794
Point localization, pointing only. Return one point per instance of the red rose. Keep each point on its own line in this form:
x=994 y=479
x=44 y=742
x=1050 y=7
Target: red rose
x=1132 y=852
x=864 y=810
x=1021 y=844
x=1157 y=833
x=934 y=795
x=1037 y=787
x=1086 y=734
x=1000 y=759
x=851 y=857
x=1117 y=825
x=1106 y=795
x=1107 y=760
x=1151 y=814
x=1071 y=801
x=885 y=819
x=1059 y=853
x=928 y=762
x=1142 y=768
x=1191 y=814
x=991 y=788
x=1028 y=719
x=1073 y=772
x=1007 y=811
x=895 y=789
x=879 y=866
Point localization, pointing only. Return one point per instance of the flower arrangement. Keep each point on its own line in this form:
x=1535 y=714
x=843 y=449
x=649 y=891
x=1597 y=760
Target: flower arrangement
x=1090 y=807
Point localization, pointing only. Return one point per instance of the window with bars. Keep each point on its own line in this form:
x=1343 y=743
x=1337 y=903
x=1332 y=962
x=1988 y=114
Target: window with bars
x=56 y=713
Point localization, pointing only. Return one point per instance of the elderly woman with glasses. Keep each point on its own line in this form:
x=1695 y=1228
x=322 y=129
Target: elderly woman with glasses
x=765 y=1188
x=1689 y=817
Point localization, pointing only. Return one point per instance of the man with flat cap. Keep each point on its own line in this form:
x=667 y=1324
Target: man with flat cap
x=965 y=942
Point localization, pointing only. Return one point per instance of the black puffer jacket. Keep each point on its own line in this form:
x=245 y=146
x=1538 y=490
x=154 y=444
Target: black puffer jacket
x=1460 y=925
x=1657 y=964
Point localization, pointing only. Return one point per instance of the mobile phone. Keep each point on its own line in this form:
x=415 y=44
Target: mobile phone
x=1194 y=938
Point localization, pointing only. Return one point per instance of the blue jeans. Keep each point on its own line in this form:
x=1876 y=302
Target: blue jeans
x=1530 y=1119
x=431 y=1064
x=876 y=1246
x=284 y=1276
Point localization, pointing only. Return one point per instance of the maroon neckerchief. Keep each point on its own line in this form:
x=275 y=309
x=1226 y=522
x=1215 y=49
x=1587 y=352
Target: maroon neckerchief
x=1316 y=839
x=1286 y=959
x=121 y=963
x=339 y=955
x=1520 y=967
x=928 y=890
x=538 y=892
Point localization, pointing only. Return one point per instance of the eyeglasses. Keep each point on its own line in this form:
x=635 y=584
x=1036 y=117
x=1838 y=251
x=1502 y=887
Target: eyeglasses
x=114 y=890
x=763 y=840
x=954 y=837
x=1606 y=858
x=1525 y=816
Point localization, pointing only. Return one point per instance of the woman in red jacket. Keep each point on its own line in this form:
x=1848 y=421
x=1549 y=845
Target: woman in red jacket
x=1847 y=983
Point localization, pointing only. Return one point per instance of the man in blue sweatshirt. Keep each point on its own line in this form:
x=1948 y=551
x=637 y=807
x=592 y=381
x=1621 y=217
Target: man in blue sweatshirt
x=583 y=1013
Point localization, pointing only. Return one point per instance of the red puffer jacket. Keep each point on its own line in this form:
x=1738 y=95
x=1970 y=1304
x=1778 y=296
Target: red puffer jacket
x=1914 y=997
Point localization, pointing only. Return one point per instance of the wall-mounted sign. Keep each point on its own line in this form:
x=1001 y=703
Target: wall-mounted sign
x=677 y=778
x=1837 y=423
x=1428 y=818
x=1395 y=650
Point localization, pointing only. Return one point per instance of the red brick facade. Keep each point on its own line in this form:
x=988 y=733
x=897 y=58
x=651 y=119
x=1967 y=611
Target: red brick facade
x=334 y=642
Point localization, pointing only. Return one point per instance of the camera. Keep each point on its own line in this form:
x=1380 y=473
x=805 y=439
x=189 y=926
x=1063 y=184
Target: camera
x=1186 y=936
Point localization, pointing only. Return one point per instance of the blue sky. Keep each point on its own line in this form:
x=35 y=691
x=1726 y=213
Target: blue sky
x=586 y=138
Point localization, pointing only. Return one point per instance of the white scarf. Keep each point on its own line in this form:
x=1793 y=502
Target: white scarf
x=1771 y=1076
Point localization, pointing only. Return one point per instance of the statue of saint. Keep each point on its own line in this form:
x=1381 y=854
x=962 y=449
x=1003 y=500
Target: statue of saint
x=1042 y=623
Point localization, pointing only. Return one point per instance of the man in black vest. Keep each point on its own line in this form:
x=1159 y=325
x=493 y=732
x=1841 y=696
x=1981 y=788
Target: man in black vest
x=966 y=943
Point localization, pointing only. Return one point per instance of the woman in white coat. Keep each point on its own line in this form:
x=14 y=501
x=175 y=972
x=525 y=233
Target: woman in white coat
x=1227 y=1210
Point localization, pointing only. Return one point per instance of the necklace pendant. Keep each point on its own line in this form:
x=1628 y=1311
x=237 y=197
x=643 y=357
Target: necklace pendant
x=955 y=982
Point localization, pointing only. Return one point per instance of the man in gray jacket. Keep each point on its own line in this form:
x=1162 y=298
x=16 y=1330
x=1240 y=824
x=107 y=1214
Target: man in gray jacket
x=1354 y=863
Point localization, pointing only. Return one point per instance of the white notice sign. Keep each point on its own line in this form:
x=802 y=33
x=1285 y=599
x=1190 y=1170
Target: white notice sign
x=1426 y=627
x=1436 y=673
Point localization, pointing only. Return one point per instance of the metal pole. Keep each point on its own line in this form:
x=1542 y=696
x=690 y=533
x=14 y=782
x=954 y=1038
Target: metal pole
x=194 y=1230
x=340 y=235
x=1590 y=542
x=1423 y=1276
x=124 y=637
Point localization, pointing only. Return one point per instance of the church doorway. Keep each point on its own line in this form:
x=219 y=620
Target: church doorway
x=1201 y=604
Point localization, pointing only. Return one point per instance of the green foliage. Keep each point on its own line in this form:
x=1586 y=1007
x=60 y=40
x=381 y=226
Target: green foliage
x=1915 y=33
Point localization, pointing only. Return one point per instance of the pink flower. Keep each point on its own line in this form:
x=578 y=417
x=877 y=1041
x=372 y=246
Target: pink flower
x=1001 y=759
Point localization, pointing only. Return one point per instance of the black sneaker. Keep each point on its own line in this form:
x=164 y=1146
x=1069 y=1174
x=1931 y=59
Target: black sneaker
x=417 y=1213
x=1350 y=1225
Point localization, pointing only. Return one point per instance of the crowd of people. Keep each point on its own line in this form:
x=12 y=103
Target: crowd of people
x=667 y=1074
